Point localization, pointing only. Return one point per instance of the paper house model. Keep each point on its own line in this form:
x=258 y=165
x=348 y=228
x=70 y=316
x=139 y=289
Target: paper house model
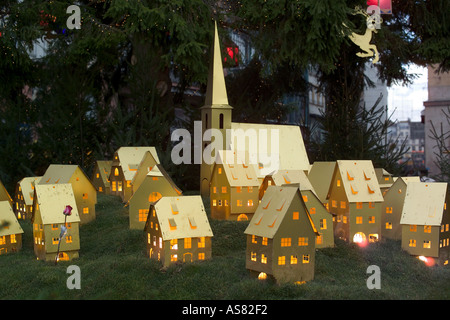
x=234 y=188
x=392 y=207
x=281 y=237
x=178 y=230
x=320 y=176
x=100 y=176
x=355 y=199
x=425 y=221
x=24 y=197
x=49 y=204
x=385 y=180
x=124 y=166
x=157 y=184
x=4 y=195
x=270 y=147
x=320 y=216
x=83 y=189
x=10 y=230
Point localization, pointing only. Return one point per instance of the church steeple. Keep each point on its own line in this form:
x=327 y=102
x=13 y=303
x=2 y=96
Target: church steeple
x=216 y=113
x=216 y=92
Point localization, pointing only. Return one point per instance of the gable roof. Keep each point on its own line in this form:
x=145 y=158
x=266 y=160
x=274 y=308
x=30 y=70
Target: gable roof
x=53 y=199
x=182 y=217
x=7 y=217
x=384 y=178
x=320 y=176
x=424 y=203
x=131 y=157
x=4 y=195
x=27 y=186
x=237 y=172
x=359 y=180
x=104 y=169
x=289 y=152
x=272 y=210
x=62 y=173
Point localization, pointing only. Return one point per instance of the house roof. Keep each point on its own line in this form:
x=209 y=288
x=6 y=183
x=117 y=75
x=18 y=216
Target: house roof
x=424 y=203
x=104 y=168
x=320 y=176
x=7 y=217
x=287 y=153
x=359 y=180
x=27 y=186
x=62 y=173
x=4 y=195
x=182 y=217
x=237 y=172
x=272 y=210
x=53 y=199
x=382 y=175
x=131 y=157
x=283 y=177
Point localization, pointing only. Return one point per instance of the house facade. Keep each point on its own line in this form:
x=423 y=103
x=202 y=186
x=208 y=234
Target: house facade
x=24 y=197
x=100 y=176
x=10 y=230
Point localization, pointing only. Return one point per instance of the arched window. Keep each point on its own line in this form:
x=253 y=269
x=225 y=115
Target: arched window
x=221 y=121
x=154 y=196
x=242 y=217
x=116 y=172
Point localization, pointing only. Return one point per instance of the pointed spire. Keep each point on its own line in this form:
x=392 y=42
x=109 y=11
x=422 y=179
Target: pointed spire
x=216 y=92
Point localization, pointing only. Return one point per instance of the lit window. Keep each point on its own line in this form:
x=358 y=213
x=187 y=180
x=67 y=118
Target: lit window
x=85 y=195
x=323 y=224
x=54 y=227
x=253 y=256
x=302 y=241
x=358 y=220
x=254 y=239
x=85 y=210
x=319 y=239
x=173 y=257
x=338 y=183
x=281 y=261
x=371 y=205
x=119 y=186
x=201 y=256
x=100 y=189
x=114 y=188
x=389 y=225
x=201 y=242
x=143 y=213
x=214 y=202
x=371 y=219
x=214 y=190
x=427 y=229
x=116 y=172
x=285 y=242
x=187 y=243
x=312 y=210
x=295 y=215
x=69 y=239
x=388 y=209
x=219 y=202
x=128 y=184
x=219 y=170
x=413 y=228
x=224 y=189
x=174 y=244
x=238 y=189
x=263 y=258
x=2 y=240
x=334 y=203
x=250 y=203
x=97 y=175
x=264 y=241
x=55 y=240
x=305 y=198
x=343 y=204
x=239 y=203
x=427 y=244
x=412 y=243
x=305 y=258
x=249 y=189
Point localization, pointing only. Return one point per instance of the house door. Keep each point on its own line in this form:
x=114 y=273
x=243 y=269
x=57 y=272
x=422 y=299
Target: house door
x=187 y=257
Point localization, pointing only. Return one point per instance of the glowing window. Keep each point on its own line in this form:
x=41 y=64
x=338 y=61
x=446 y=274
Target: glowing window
x=302 y=241
x=412 y=243
x=427 y=244
x=13 y=238
x=238 y=189
x=389 y=225
x=214 y=202
x=187 y=243
x=174 y=244
x=97 y=175
x=338 y=183
x=116 y=172
x=371 y=205
x=219 y=170
x=55 y=240
x=201 y=256
x=214 y=190
x=253 y=256
x=254 y=239
x=239 y=203
x=142 y=215
x=334 y=203
x=54 y=227
x=295 y=215
x=119 y=186
x=388 y=209
x=305 y=198
x=358 y=220
x=85 y=196
x=154 y=196
x=371 y=219
x=173 y=257
x=85 y=210
x=250 y=203
x=114 y=188
x=323 y=224
x=264 y=241
x=413 y=228
x=249 y=189
x=319 y=239
x=242 y=217
x=305 y=258
x=263 y=258
x=224 y=189
x=262 y=276
x=343 y=204
x=285 y=242
x=427 y=229
x=69 y=239
x=201 y=242
x=312 y=210
x=281 y=260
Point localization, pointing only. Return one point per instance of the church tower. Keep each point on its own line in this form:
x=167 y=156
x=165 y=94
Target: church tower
x=216 y=113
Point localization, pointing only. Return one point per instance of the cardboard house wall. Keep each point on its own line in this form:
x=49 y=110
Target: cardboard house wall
x=355 y=199
x=322 y=219
x=425 y=221
x=392 y=207
x=83 y=189
x=284 y=146
x=178 y=230
x=281 y=237
x=50 y=200
x=157 y=184
x=24 y=197
x=234 y=188
x=10 y=230
x=100 y=176
x=125 y=163
x=146 y=165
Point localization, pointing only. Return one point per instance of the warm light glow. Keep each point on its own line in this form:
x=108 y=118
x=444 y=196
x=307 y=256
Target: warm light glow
x=427 y=260
x=360 y=239
x=262 y=276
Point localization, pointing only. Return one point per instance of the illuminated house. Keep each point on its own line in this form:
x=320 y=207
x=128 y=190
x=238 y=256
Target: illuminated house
x=4 y=195
x=124 y=166
x=100 y=176
x=10 y=230
x=425 y=221
x=283 y=148
x=24 y=197
x=83 y=189
x=234 y=188
x=178 y=230
x=281 y=237
x=320 y=176
x=157 y=184
x=320 y=216
x=49 y=204
x=385 y=180
x=355 y=199
x=392 y=207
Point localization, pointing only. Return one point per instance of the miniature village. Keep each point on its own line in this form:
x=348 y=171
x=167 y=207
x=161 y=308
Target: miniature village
x=293 y=208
